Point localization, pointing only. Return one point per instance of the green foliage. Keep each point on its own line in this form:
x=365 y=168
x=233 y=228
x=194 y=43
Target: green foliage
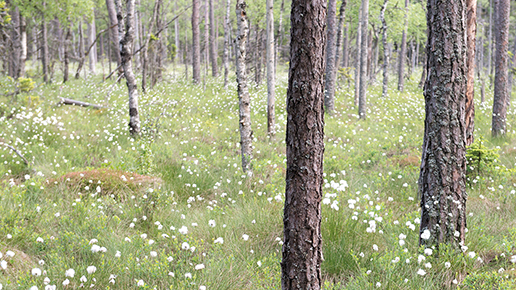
x=5 y=18
x=480 y=157
x=487 y=281
x=25 y=84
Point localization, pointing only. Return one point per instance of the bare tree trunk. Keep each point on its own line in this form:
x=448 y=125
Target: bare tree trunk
x=359 y=55
x=403 y=52
x=471 y=31
x=258 y=51
x=385 y=89
x=362 y=102
x=196 y=45
x=345 y=47
x=92 y=33
x=329 y=90
x=67 y=42
x=35 y=50
x=23 y=43
x=246 y=134
x=281 y=33
x=302 y=248
x=114 y=32
x=81 y=47
x=442 y=180
x=176 y=35
x=145 y=48
x=213 y=39
x=126 y=53
x=342 y=18
x=44 y=48
x=503 y=8
x=14 y=44
x=226 y=45
x=271 y=130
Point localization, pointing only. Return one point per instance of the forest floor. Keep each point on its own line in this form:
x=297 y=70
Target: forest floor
x=173 y=209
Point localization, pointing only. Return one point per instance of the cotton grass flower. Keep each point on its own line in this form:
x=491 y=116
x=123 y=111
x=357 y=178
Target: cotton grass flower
x=219 y=240
x=36 y=272
x=91 y=269
x=199 y=266
x=421 y=272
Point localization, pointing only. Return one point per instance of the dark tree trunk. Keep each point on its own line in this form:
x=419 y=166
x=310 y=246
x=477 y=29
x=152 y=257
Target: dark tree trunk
x=44 y=48
x=471 y=10
x=501 y=95
x=196 y=43
x=362 y=102
x=213 y=39
x=67 y=41
x=246 y=134
x=442 y=180
x=342 y=18
x=403 y=52
x=302 y=249
x=385 y=50
x=271 y=86
x=126 y=54
x=14 y=44
x=329 y=90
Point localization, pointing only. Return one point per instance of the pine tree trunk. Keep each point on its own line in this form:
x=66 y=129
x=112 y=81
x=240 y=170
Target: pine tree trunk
x=226 y=44
x=213 y=39
x=14 y=44
x=246 y=134
x=359 y=55
x=302 y=249
x=126 y=53
x=442 y=180
x=196 y=43
x=471 y=11
x=271 y=130
x=503 y=8
x=258 y=56
x=114 y=33
x=329 y=90
x=342 y=18
x=92 y=56
x=362 y=102
x=44 y=48
x=403 y=52
x=66 y=46
x=281 y=33
x=385 y=89
x=345 y=47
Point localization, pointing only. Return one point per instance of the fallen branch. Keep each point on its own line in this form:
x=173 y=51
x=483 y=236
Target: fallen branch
x=65 y=101
x=17 y=152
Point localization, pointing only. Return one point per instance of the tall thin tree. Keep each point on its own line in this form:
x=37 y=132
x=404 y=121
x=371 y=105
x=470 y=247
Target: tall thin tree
x=244 y=100
x=271 y=78
x=385 y=88
x=501 y=94
x=442 y=180
x=213 y=39
x=196 y=43
x=362 y=102
x=302 y=248
x=226 y=44
x=403 y=52
x=471 y=10
x=329 y=90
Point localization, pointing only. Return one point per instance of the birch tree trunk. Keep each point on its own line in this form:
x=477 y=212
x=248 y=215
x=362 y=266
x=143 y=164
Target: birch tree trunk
x=271 y=130
x=501 y=95
x=23 y=46
x=114 y=32
x=226 y=45
x=196 y=46
x=471 y=11
x=213 y=39
x=442 y=180
x=385 y=89
x=329 y=90
x=246 y=134
x=302 y=248
x=126 y=53
x=403 y=52
x=362 y=110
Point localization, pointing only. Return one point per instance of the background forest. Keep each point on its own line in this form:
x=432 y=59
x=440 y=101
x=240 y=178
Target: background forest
x=170 y=203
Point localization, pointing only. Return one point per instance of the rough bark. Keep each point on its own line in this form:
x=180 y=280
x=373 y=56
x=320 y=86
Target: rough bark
x=213 y=39
x=226 y=45
x=471 y=11
x=302 y=248
x=501 y=93
x=246 y=134
x=403 y=52
x=196 y=43
x=114 y=32
x=329 y=89
x=385 y=89
x=126 y=54
x=442 y=180
x=269 y=46
x=362 y=102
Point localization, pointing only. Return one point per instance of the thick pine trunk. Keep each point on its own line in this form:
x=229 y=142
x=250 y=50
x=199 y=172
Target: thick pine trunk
x=246 y=134
x=213 y=39
x=329 y=90
x=126 y=54
x=471 y=11
x=226 y=44
x=269 y=46
x=302 y=248
x=403 y=52
x=362 y=102
x=442 y=180
x=196 y=43
x=385 y=89
x=501 y=95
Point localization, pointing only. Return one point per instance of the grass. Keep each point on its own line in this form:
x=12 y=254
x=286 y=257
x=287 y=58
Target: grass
x=91 y=183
